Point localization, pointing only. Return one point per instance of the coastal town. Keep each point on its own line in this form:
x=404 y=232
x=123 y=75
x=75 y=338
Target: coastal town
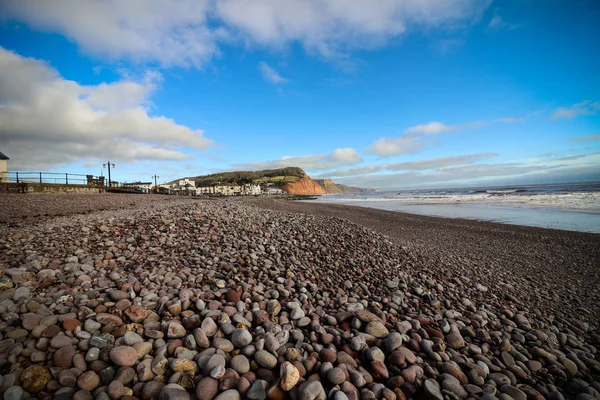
x=276 y=182
x=187 y=187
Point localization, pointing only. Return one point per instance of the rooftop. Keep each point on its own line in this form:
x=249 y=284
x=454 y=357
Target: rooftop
x=3 y=157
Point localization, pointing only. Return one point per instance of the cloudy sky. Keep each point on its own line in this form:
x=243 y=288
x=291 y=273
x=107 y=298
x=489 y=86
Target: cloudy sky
x=388 y=94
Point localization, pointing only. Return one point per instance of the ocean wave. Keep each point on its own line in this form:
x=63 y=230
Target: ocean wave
x=572 y=201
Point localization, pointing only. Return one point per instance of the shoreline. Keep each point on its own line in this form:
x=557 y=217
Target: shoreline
x=537 y=216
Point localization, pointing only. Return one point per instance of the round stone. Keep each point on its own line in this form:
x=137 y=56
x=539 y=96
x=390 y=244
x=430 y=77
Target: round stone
x=131 y=338
x=13 y=393
x=173 y=391
x=63 y=357
x=152 y=389
x=432 y=389
x=240 y=364
x=336 y=376
x=35 y=378
x=311 y=390
x=265 y=359
x=241 y=338
x=289 y=376
x=207 y=388
x=230 y=394
x=88 y=381
x=376 y=329
x=123 y=356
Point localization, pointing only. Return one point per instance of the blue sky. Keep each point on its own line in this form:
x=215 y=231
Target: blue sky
x=384 y=94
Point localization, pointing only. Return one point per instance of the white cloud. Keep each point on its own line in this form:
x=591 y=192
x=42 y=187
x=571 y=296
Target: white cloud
x=419 y=165
x=413 y=138
x=584 y=108
x=575 y=169
x=387 y=147
x=345 y=156
x=510 y=120
x=497 y=23
x=189 y=32
x=46 y=120
x=587 y=138
x=172 y=33
x=431 y=128
x=434 y=128
x=338 y=158
x=270 y=74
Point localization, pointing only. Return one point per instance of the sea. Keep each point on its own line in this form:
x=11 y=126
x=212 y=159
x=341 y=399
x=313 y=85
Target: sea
x=566 y=206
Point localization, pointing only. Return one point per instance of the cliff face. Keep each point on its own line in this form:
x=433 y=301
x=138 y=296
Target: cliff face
x=329 y=186
x=303 y=186
x=349 y=189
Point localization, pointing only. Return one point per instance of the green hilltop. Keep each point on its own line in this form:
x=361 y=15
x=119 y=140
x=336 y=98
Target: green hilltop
x=278 y=176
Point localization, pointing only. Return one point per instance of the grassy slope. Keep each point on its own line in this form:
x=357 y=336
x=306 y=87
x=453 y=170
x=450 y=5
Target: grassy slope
x=277 y=176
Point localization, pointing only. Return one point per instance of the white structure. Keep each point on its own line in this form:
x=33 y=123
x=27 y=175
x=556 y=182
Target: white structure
x=186 y=183
x=144 y=187
x=252 y=189
x=3 y=168
x=230 y=190
x=274 y=191
x=204 y=190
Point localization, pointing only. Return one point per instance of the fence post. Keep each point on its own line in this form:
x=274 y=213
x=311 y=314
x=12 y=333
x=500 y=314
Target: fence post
x=40 y=177
x=66 y=178
x=17 y=177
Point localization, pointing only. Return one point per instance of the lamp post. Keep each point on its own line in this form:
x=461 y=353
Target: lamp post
x=155 y=184
x=108 y=164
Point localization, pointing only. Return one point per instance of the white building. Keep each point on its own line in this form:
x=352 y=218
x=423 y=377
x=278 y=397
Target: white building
x=3 y=168
x=144 y=187
x=274 y=191
x=186 y=183
x=252 y=189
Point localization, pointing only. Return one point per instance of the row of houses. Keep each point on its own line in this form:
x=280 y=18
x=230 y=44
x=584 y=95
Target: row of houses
x=187 y=187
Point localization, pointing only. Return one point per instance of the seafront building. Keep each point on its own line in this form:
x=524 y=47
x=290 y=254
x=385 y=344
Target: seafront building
x=142 y=187
x=3 y=167
x=187 y=187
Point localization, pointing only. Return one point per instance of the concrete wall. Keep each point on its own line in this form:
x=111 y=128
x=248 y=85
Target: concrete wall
x=48 y=188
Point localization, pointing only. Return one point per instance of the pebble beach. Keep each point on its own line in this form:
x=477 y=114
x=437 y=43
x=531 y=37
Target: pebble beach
x=116 y=296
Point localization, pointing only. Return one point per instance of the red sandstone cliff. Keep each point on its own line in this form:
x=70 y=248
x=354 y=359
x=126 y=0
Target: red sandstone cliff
x=304 y=185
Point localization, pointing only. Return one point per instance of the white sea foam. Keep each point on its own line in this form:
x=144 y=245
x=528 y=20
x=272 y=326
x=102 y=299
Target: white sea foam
x=567 y=201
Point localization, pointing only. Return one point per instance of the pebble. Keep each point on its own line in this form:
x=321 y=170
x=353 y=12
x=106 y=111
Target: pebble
x=63 y=357
x=35 y=378
x=241 y=338
x=265 y=359
x=432 y=390
x=336 y=376
x=256 y=391
x=207 y=388
x=240 y=364
x=311 y=390
x=289 y=376
x=123 y=356
x=88 y=381
x=230 y=394
x=14 y=393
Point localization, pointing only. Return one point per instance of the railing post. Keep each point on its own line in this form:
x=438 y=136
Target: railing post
x=40 y=177
x=66 y=178
x=17 y=177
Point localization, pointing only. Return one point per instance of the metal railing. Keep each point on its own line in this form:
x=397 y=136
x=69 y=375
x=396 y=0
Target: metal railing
x=51 y=178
